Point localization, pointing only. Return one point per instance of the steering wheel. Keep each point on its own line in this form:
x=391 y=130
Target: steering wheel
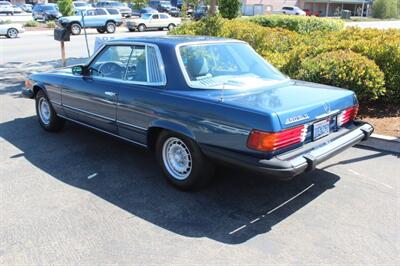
x=111 y=70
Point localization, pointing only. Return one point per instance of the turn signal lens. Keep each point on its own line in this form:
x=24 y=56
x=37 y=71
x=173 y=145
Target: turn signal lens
x=28 y=83
x=271 y=141
x=347 y=115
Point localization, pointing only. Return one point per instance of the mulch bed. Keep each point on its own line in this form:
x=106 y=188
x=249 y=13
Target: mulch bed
x=384 y=117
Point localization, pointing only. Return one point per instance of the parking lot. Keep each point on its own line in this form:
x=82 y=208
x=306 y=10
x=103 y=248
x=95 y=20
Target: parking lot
x=80 y=197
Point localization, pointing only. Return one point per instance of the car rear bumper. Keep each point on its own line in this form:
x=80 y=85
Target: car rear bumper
x=286 y=166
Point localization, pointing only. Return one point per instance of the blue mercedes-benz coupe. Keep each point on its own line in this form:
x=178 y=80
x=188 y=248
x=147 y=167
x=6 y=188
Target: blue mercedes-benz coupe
x=195 y=100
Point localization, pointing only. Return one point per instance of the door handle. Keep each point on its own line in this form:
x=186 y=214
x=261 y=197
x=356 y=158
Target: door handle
x=110 y=93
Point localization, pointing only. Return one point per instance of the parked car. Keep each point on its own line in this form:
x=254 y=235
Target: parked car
x=45 y=12
x=98 y=18
x=122 y=7
x=26 y=7
x=17 y=9
x=145 y=10
x=153 y=21
x=217 y=99
x=81 y=5
x=312 y=13
x=293 y=10
x=10 y=30
x=174 y=12
x=160 y=5
x=6 y=8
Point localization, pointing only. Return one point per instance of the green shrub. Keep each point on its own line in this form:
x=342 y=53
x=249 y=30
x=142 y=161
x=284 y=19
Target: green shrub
x=345 y=69
x=385 y=9
x=50 y=24
x=66 y=8
x=31 y=23
x=7 y=21
x=300 y=24
x=229 y=8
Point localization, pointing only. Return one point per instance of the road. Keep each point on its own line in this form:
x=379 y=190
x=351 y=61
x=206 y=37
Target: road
x=80 y=197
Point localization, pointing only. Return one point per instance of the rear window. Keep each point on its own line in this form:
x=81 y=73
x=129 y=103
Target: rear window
x=112 y=11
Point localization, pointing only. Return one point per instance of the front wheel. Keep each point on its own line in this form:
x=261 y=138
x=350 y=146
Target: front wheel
x=12 y=33
x=76 y=29
x=47 y=116
x=141 y=28
x=110 y=27
x=182 y=161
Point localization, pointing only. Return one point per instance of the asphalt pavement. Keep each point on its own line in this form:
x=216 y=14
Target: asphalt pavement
x=80 y=197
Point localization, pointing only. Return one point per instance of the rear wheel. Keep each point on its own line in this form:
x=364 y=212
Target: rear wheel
x=182 y=161
x=110 y=27
x=12 y=33
x=171 y=26
x=47 y=117
x=75 y=29
x=141 y=27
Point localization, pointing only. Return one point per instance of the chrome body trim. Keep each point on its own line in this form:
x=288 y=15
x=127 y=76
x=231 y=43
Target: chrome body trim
x=131 y=125
x=88 y=113
x=103 y=131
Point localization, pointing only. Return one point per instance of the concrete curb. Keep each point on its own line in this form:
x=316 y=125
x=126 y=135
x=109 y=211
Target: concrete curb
x=381 y=142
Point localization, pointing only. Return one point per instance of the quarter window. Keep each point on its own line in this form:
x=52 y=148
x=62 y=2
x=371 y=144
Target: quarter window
x=163 y=16
x=100 y=12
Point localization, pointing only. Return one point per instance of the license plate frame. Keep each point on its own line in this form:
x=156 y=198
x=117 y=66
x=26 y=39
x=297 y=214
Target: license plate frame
x=321 y=129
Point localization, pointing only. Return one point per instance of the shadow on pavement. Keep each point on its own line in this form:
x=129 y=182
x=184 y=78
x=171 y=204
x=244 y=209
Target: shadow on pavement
x=236 y=207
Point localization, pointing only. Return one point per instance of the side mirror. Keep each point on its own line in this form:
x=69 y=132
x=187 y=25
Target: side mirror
x=78 y=70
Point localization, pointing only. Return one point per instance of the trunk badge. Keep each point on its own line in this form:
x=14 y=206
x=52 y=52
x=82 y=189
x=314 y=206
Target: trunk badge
x=298 y=118
x=327 y=108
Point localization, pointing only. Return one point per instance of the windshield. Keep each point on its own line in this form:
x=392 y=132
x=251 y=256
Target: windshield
x=50 y=7
x=146 y=16
x=226 y=65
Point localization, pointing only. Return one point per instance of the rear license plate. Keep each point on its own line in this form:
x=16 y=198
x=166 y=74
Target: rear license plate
x=321 y=129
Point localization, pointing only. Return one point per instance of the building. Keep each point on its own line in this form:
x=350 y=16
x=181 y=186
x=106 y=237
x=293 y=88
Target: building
x=324 y=7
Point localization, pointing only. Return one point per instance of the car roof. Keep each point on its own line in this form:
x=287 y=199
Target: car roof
x=171 y=41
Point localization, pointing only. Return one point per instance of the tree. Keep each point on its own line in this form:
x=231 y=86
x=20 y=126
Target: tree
x=139 y=4
x=229 y=8
x=66 y=8
x=384 y=9
x=213 y=7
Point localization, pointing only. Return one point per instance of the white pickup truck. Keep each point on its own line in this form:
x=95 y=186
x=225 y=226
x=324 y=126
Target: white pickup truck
x=153 y=21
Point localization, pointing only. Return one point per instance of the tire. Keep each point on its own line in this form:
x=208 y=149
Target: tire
x=182 y=161
x=12 y=33
x=171 y=26
x=131 y=30
x=141 y=28
x=101 y=30
x=47 y=117
x=110 y=27
x=75 y=29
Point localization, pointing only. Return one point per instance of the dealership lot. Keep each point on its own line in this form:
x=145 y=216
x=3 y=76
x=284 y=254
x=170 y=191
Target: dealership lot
x=82 y=197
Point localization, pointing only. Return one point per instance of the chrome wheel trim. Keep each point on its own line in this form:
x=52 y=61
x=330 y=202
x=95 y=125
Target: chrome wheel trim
x=12 y=33
x=171 y=27
x=75 y=29
x=110 y=27
x=44 y=111
x=177 y=158
x=141 y=28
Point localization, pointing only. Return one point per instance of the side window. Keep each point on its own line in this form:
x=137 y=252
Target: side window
x=112 y=11
x=100 y=12
x=111 y=62
x=163 y=16
x=137 y=66
x=90 y=13
x=155 y=16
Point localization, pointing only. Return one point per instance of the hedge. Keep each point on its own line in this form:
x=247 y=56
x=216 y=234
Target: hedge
x=372 y=55
x=299 y=24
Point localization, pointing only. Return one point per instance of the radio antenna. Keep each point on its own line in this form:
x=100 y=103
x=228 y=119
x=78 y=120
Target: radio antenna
x=222 y=92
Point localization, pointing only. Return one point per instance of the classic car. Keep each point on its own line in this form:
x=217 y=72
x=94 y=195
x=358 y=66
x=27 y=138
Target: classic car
x=153 y=21
x=10 y=30
x=197 y=100
x=104 y=20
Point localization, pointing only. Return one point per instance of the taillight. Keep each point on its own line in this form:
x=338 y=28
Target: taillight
x=347 y=115
x=272 y=141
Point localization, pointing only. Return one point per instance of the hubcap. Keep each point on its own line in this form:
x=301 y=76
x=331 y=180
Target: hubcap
x=110 y=28
x=12 y=33
x=44 y=111
x=177 y=158
x=75 y=29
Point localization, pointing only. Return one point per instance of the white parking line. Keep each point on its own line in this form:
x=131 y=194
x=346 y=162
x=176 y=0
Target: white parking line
x=370 y=178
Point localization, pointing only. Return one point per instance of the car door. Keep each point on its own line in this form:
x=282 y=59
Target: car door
x=139 y=97
x=154 y=21
x=92 y=98
x=89 y=19
x=101 y=17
